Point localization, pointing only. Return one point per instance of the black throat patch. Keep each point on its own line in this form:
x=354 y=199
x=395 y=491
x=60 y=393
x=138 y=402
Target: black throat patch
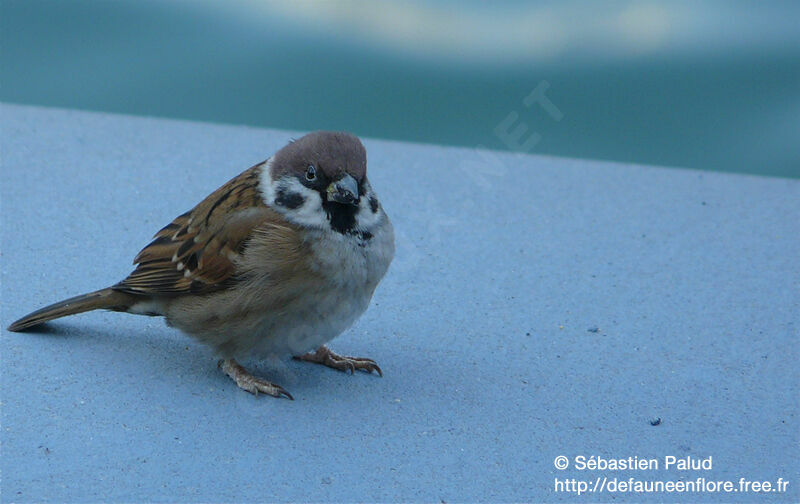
x=342 y=217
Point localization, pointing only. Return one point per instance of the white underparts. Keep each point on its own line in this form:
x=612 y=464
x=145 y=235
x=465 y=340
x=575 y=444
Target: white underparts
x=146 y=308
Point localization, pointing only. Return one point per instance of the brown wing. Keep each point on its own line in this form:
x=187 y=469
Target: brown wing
x=197 y=251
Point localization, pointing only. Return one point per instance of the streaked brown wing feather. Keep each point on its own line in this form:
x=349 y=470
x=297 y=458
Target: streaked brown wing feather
x=197 y=251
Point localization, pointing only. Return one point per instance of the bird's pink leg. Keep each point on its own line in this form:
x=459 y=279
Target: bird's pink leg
x=327 y=357
x=250 y=383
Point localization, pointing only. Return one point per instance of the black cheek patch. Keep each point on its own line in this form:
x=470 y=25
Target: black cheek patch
x=289 y=200
x=373 y=204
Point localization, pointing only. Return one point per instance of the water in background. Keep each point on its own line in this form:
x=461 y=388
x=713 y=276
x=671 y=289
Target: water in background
x=712 y=85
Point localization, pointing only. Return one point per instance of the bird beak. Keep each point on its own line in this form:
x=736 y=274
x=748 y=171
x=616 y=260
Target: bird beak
x=344 y=190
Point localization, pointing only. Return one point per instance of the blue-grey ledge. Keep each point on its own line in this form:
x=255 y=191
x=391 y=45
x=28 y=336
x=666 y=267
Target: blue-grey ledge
x=537 y=308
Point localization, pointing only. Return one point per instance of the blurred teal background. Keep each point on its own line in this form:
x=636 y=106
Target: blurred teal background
x=713 y=85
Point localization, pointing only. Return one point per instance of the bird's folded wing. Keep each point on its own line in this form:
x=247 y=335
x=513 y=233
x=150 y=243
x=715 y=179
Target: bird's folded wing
x=197 y=252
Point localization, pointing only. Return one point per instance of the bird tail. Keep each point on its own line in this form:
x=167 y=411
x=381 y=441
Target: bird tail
x=107 y=299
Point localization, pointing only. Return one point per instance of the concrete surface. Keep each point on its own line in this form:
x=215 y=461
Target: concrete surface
x=537 y=307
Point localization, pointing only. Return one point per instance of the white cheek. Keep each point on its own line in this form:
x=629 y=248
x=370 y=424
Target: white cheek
x=310 y=213
x=265 y=183
x=366 y=219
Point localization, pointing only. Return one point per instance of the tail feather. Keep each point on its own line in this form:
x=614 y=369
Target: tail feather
x=107 y=299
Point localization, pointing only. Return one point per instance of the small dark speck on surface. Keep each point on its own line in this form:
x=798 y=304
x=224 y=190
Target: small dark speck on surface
x=593 y=329
x=655 y=421
x=326 y=481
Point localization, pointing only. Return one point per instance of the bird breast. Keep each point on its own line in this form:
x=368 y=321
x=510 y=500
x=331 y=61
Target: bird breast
x=320 y=287
x=349 y=268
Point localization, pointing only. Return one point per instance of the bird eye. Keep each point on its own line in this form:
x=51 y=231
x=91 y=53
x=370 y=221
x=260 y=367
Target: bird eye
x=311 y=173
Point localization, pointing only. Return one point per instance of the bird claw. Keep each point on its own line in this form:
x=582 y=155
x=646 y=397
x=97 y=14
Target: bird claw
x=327 y=357
x=247 y=382
x=268 y=388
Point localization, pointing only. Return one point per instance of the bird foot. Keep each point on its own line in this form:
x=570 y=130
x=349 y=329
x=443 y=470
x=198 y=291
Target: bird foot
x=250 y=383
x=327 y=357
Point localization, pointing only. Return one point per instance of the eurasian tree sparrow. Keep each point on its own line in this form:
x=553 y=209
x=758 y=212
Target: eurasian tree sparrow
x=278 y=261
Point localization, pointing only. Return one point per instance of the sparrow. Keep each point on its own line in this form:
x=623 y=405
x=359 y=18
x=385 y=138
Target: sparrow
x=277 y=262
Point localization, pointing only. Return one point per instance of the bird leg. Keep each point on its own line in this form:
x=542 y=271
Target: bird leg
x=250 y=383
x=327 y=357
